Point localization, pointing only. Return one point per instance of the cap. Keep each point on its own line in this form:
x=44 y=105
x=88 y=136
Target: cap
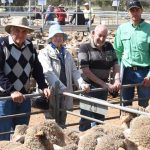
x=134 y=3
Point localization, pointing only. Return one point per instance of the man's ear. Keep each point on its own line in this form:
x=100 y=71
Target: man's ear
x=92 y=33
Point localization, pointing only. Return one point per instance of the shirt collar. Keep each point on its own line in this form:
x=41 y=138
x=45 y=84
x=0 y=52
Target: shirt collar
x=140 y=25
x=93 y=45
x=11 y=42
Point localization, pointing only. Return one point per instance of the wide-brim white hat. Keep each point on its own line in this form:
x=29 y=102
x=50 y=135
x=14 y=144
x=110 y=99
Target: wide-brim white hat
x=54 y=29
x=86 y=4
x=19 y=22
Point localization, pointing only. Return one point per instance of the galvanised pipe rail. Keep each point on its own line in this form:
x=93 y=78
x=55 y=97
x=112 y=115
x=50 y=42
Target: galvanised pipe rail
x=24 y=114
x=85 y=117
x=105 y=103
x=102 y=89
x=26 y=96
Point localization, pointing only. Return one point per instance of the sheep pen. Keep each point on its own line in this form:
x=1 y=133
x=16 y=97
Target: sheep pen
x=112 y=136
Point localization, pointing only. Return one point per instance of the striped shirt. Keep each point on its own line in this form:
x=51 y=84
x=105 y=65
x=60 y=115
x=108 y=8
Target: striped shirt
x=98 y=61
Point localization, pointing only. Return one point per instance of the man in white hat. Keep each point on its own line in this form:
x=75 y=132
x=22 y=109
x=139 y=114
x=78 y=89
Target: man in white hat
x=88 y=14
x=58 y=66
x=18 y=60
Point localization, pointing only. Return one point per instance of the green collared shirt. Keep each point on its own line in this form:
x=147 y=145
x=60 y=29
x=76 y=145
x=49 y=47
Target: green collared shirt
x=132 y=44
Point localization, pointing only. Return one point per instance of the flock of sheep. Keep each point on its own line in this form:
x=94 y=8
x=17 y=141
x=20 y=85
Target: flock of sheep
x=134 y=134
x=49 y=136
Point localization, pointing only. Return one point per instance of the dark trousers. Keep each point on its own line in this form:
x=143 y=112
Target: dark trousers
x=86 y=124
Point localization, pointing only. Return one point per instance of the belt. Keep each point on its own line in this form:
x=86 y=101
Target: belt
x=135 y=68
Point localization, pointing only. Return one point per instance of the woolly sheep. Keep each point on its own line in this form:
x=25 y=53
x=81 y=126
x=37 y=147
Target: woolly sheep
x=140 y=121
x=89 y=140
x=8 y=145
x=47 y=133
x=70 y=147
x=39 y=137
x=36 y=139
x=112 y=140
x=71 y=136
x=19 y=133
x=127 y=117
x=140 y=131
x=54 y=132
x=141 y=136
x=109 y=142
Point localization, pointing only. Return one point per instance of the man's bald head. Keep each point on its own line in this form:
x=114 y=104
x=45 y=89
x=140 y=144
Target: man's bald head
x=101 y=28
x=99 y=35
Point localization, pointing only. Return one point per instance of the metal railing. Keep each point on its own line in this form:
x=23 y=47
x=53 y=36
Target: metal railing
x=92 y=100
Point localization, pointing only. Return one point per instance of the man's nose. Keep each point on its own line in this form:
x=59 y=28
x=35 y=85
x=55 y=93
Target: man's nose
x=102 y=38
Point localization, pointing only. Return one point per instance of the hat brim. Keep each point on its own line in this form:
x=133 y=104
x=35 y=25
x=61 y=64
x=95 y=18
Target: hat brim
x=134 y=7
x=51 y=35
x=86 y=4
x=8 y=27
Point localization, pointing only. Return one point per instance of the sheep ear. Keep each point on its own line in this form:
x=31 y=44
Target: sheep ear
x=40 y=133
x=20 y=139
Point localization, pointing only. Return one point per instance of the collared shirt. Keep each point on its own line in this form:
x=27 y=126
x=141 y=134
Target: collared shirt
x=99 y=61
x=87 y=13
x=11 y=42
x=132 y=44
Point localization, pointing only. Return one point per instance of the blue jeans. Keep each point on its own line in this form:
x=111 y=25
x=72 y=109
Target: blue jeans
x=87 y=124
x=8 y=107
x=133 y=77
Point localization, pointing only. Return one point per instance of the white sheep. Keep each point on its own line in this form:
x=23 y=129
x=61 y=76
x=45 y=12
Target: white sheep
x=53 y=132
x=70 y=147
x=19 y=133
x=112 y=140
x=109 y=142
x=127 y=117
x=140 y=131
x=8 y=145
x=71 y=136
x=89 y=139
x=38 y=137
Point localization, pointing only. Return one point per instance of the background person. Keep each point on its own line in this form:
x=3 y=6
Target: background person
x=18 y=60
x=132 y=45
x=96 y=58
x=78 y=17
x=61 y=14
x=88 y=14
x=58 y=65
x=49 y=17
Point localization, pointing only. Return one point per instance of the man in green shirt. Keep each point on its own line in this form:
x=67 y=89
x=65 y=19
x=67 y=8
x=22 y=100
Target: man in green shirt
x=132 y=45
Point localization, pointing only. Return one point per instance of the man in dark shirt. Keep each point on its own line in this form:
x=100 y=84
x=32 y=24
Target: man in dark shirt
x=78 y=17
x=96 y=59
x=18 y=60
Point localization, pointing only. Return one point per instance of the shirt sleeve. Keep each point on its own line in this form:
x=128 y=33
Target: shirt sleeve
x=83 y=56
x=73 y=17
x=5 y=85
x=78 y=80
x=114 y=56
x=38 y=73
x=118 y=46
